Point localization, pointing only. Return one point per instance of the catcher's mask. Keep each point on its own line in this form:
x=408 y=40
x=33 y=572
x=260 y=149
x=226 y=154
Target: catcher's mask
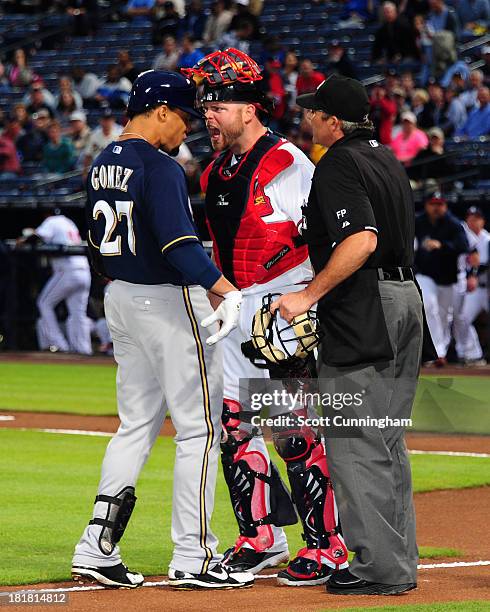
x=229 y=76
x=293 y=350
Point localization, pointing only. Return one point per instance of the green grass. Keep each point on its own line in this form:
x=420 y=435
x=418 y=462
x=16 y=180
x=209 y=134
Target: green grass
x=447 y=606
x=77 y=389
x=49 y=482
x=449 y=405
x=431 y=552
x=460 y=404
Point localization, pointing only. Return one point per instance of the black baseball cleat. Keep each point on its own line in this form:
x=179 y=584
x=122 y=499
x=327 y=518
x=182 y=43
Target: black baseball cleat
x=249 y=560
x=345 y=583
x=218 y=577
x=115 y=576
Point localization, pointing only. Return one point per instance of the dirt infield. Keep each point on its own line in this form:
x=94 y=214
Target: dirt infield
x=434 y=585
x=445 y=519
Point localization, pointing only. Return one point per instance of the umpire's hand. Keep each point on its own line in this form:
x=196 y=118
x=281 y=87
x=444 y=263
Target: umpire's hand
x=291 y=305
x=227 y=312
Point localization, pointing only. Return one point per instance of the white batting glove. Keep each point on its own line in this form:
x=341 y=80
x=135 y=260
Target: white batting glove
x=227 y=312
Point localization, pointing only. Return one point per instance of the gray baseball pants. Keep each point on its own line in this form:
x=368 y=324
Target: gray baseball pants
x=164 y=365
x=369 y=466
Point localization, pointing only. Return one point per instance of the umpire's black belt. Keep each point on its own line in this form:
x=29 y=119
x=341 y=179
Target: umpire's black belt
x=396 y=274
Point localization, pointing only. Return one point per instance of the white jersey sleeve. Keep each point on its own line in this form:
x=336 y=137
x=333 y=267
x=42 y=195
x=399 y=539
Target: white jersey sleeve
x=289 y=190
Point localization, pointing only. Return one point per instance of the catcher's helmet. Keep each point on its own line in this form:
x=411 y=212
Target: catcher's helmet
x=229 y=76
x=294 y=347
x=159 y=87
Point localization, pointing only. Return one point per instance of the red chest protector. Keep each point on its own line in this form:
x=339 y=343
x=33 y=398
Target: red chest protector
x=246 y=248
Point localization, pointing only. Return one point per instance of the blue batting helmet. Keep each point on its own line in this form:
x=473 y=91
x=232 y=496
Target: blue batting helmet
x=158 y=87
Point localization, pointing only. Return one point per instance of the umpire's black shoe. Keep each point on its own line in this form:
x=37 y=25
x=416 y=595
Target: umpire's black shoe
x=248 y=560
x=115 y=576
x=345 y=583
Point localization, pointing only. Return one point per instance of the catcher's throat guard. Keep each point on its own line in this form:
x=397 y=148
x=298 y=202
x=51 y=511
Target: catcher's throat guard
x=294 y=348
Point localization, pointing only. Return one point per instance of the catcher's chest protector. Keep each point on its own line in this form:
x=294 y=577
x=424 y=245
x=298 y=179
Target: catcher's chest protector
x=246 y=248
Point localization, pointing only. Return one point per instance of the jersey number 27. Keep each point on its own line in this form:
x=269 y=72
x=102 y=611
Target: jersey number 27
x=108 y=246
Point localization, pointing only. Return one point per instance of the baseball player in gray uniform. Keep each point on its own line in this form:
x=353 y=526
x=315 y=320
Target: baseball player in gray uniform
x=142 y=236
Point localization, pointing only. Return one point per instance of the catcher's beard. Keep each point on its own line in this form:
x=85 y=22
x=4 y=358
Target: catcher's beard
x=229 y=135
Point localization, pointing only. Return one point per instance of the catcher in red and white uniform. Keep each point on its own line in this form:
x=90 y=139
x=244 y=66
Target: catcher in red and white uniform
x=255 y=190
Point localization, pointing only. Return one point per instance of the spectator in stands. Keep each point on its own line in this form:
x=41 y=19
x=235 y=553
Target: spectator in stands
x=19 y=73
x=308 y=78
x=86 y=84
x=395 y=39
x=469 y=97
x=85 y=16
x=441 y=17
x=31 y=144
x=419 y=99
x=218 y=21
x=65 y=84
x=273 y=84
x=338 y=61
x=238 y=39
x=59 y=152
x=5 y=85
x=433 y=162
x=474 y=15
x=383 y=113
x=79 y=132
x=168 y=58
x=190 y=55
x=19 y=111
x=407 y=82
x=435 y=111
x=456 y=112
x=139 y=11
x=410 y=140
x=194 y=20
x=127 y=69
x=355 y=13
x=66 y=106
x=107 y=131
x=9 y=158
x=13 y=128
x=243 y=15
x=114 y=89
x=290 y=77
x=423 y=41
x=165 y=21
x=485 y=55
x=478 y=122
x=39 y=98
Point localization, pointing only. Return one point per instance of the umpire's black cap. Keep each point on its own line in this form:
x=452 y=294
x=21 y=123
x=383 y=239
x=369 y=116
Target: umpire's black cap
x=340 y=96
x=159 y=87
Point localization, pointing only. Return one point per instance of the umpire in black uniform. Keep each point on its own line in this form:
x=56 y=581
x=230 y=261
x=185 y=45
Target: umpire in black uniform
x=359 y=226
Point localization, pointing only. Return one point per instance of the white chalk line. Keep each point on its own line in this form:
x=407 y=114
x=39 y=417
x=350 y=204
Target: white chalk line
x=74 y=589
x=449 y=453
x=104 y=434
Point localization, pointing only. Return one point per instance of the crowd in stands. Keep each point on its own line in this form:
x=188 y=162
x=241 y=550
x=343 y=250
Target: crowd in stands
x=424 y=96
x=414 y=111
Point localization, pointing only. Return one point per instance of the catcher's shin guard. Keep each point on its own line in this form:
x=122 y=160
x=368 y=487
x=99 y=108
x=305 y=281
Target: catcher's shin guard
x=119 y=510
x=312 y=492
x=247 y=471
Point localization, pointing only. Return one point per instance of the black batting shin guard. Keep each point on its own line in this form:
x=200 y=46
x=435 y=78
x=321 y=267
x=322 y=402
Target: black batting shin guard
x=119 y=510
